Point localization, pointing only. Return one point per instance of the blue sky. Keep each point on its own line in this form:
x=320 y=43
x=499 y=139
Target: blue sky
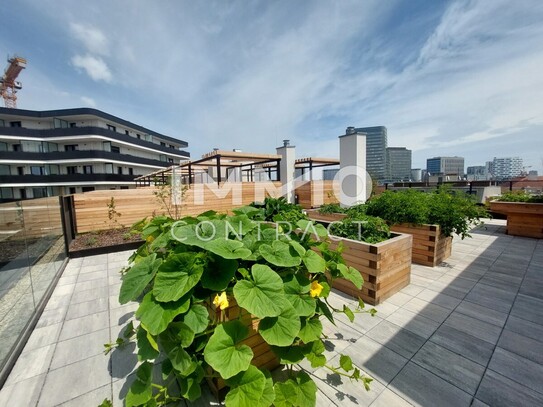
x=446 y=77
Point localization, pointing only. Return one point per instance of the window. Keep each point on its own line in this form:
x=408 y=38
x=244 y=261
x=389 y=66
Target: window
x=124 y=187
x=170 y=160
x=3 y=146
x=87 y=169
x=138 y=136
x=131 y=171
x=172 y=146
x=112 y=128
x=60 y=124
x=120 y=170
x=17 y=147
x=115 y=149
x=162 y=157
x=20 y=170
x=73 y=125
x=15 y=124
x=72 y=190
x=106 y=145
x=53 y=169
x=127 y=132
x=39 y=192
x=6 y=193
x=71 y=147
x=2 y=123
x=71 y=169
x=4 y=170
x=163 y=144
x=22 y=193
x=49 y=147
x=109 y=168
x=87 y=189
x=36 y=170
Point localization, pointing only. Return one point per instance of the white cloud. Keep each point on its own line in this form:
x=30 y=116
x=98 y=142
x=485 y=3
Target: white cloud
x=95 y=67
x=92 y=38
x=90 y=102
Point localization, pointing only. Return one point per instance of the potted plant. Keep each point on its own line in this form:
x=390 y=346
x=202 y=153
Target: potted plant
x=524 y=213
x=327 y=213
x=222 y=298
x=382 y=258
x=432 y=219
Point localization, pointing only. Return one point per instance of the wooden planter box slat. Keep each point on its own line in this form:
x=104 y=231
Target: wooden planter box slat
x=430 y=246
x=387 y=273
x=523 y=219
x=329 y=217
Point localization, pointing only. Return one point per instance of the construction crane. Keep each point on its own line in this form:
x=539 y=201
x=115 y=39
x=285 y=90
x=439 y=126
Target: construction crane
x=8 y=84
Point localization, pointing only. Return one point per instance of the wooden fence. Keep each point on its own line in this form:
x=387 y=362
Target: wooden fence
x=316 y=193
x=96 y=210
x=33 y=218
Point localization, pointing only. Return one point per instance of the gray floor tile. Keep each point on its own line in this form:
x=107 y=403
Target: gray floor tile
x=400 y=340
x=90 y=285
x=95 y=275
x=93 y=398
x=528 y=308
x=46 y=335
x=525 y=328
x=423 y=308
x=491 y=297
x=91 y=374
x=339 y=336
x=517 y=368
x=51 y=316
x=380 y=363
x=399 y=299
x=30 y=364
x=499 y=391
x=90 y=295
x=522 y=345
x=79 y=348
x=23 y=393
x=86 y=308
x=450 y=366
x=119 y=316
x=419 y=325
x=473 y=348
x=84 y=325
x=420 y=387
x=436 y=298
x=474 y=327
x=482 y=313
x=389 y=399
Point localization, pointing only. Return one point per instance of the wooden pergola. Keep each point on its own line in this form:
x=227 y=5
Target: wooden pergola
x=308 y=163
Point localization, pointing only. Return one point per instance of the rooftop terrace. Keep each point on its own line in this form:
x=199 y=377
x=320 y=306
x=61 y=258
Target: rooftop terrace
x=466 y=333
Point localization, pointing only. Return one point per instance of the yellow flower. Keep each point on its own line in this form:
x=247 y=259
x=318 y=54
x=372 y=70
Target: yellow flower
x=221 y=301
x=150 y=238
x=316 y=289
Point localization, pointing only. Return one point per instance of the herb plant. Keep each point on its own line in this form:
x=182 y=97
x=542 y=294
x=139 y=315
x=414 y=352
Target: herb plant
x=327 y=209
x=369 y=229
x=186 y=276
x=520 y=196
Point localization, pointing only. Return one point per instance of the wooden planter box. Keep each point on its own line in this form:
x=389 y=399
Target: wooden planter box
x=329 y=217
x=263 y=355
x=523 y=219
x=430 y=246
x=385 y=267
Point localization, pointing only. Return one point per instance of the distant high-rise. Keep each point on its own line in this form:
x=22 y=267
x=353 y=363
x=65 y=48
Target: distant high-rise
x=376 y=144
x=506 y=168
x=398 y=164
x=445 y=166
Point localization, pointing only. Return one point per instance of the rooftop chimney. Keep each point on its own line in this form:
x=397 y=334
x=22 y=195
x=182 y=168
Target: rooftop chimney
x=350 y=130
x=286 y=143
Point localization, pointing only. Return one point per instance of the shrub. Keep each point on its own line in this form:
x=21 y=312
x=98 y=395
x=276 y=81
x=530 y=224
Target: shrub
x=406 y=206
x=364 y=228
x=519 y=196
x=327 y=209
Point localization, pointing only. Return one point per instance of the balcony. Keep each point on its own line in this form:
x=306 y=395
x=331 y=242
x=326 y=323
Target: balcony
x=64 y=178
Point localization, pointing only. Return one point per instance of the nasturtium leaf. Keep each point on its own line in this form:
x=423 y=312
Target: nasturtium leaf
x=239 y=225
x=286 y=394
x=314 y=353
x=348 y=312
x=140 y=391
x=246 y=389
x=147 y=346
x=307 y=390
x=314 y=262
x=224 y=353
x=137 y=278
x=156 y=316
x=351 y=274
x=296 y=289
x=298 y=247
x=218 y=273
x=263 y=296
x=346 y=363
x=289 y=354
x=177 y=276
x=280 y=254
x=311 y=330
x=197 y=318
x=282 y=329
x=229 y=249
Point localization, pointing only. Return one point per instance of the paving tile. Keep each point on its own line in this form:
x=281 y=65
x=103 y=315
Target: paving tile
x=379 y=362
x=419 y=325
x=91 y=374
x=517 y=368
x=478 y=403
x=119 y=316
x=412 y=289
x=498 y=391
x=428 y=310
x=389 y=399
x=525 y=328
x=90 y=295
x=67 y=280
x=521 y=345
x=23 y=393
x=58 y=301
x=30 y=364
x=79 y=348
x=399 y=299
x=385 y=309
x=474 y=327
x=440 y=299
x=420 y=387
x=51 y=316
x=84 y=325
x=400 y=340
x=93 y=268
x=93 y=398
x=528 y=308
x=339 y=336
x=473 y=348
x=450 y=366
x=63 y=290
x=502 y=280
x=44 y=336
x=482 y=313
x=95 y=275
x=86 y=308
x=90 y=285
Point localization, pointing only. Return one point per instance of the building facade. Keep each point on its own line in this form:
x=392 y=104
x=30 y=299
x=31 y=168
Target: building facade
x=477 y=173
x=506 y=168
x=376 y=145
x=398 y=164
x=47 y=153
x=445 y=166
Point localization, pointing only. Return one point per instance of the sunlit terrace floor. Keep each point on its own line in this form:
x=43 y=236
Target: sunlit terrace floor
x=469 y=332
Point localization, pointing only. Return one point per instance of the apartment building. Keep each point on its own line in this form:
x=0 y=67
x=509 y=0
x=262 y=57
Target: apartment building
x=57 y=152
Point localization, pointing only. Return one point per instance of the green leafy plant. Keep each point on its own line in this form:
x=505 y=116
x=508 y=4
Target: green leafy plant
x=519 y=196
x=327 y=209
x=187 y=278
x=364 y=228
x=273 y=207
x=113 y=215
